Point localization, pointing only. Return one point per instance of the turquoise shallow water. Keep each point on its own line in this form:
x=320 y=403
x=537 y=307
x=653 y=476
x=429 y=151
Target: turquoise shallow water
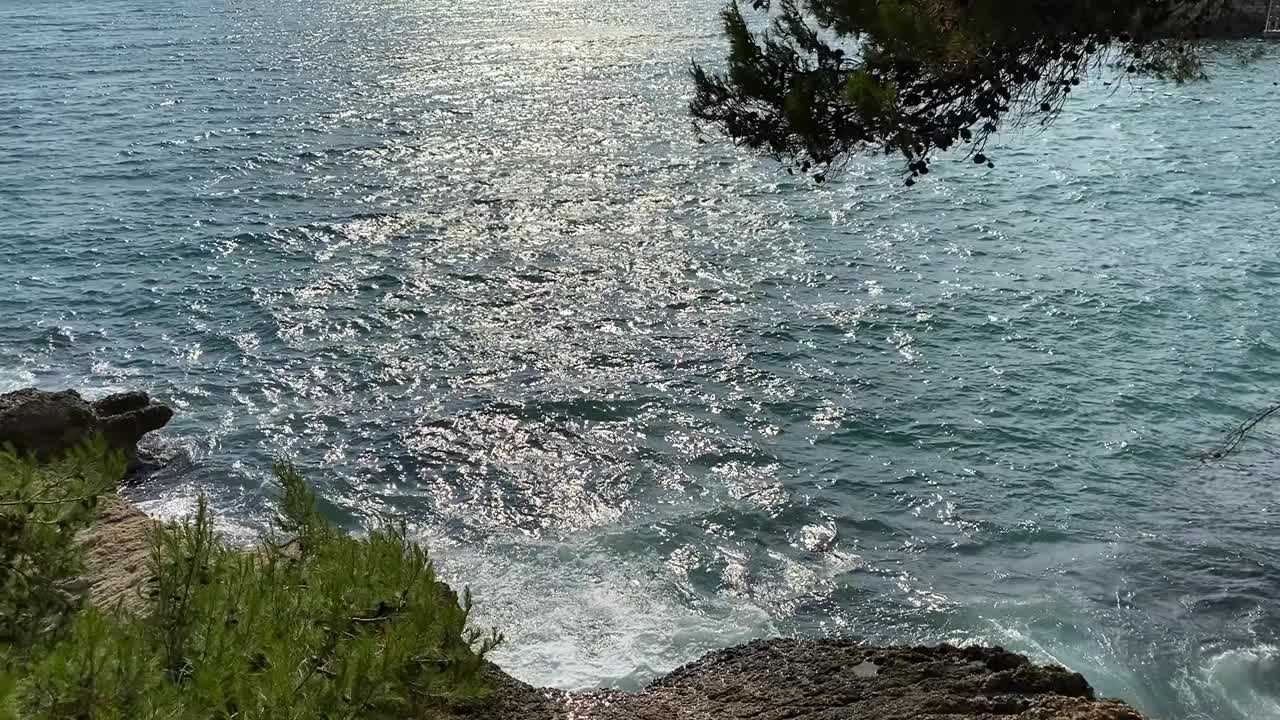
x=466 y=262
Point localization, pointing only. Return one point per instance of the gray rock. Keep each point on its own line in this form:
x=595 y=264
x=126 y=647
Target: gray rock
x=48 y=424
x=45 y=424
x=121 y=403
x=827 y=680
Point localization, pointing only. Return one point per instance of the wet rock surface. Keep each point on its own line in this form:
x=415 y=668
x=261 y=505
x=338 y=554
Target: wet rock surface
x=48 y=424
x=829 y=680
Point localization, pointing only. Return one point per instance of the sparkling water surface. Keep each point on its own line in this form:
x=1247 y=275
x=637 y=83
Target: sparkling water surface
x=465 y=261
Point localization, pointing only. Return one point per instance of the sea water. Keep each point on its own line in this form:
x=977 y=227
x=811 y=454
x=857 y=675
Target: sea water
x=467 y=262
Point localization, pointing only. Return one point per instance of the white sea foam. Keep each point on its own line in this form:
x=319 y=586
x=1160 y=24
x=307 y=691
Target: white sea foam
x=586 y=624
x=1243 y=681
x=13 y=379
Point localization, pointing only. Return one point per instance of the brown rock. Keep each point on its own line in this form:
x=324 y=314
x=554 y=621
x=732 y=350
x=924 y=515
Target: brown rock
x=121 y=403
x=117 y=552
x=48 y=424
x=125 y=429
x=829 y=680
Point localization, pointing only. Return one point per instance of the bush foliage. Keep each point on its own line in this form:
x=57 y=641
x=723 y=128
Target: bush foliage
x=312 y=623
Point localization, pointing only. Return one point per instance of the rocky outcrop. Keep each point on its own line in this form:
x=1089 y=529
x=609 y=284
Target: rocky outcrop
x=48 y=424
x=829 y=680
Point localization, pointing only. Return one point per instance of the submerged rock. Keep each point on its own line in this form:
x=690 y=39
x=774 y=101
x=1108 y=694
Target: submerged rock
x=48 y=424
x=830 y=680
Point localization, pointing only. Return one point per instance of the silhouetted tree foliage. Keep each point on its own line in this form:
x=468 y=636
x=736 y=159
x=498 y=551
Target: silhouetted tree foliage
x=812 y=82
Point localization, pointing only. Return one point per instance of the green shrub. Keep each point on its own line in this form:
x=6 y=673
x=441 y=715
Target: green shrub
x=312 y=624
x=41 y=509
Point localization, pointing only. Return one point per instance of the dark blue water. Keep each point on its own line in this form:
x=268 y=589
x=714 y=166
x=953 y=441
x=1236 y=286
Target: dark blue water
x=465 y=261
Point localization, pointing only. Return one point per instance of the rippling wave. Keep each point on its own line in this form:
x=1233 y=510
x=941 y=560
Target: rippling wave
x=466 y=262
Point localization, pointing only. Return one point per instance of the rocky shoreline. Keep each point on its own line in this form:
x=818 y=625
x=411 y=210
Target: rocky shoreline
x=778 y=679
x=789 y=679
